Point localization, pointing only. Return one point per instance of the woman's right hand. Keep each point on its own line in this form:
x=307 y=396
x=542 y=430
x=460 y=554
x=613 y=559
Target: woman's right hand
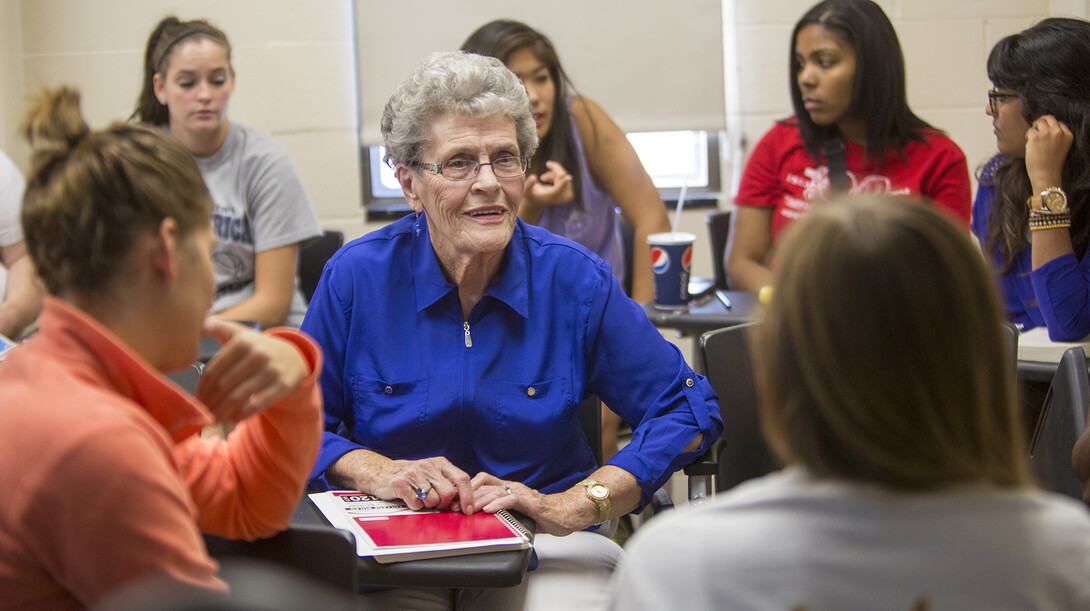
x=552 y=188
x=443 y=485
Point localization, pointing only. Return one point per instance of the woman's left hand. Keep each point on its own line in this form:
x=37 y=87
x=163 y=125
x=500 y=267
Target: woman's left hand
x=249 y=373
x=1047 y=144
x=555 y=514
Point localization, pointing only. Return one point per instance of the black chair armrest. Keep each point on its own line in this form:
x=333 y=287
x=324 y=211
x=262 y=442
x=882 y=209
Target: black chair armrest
x=708 y=463
x=661 y=501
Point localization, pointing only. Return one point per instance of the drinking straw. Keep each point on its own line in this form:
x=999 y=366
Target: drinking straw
x=680 y=205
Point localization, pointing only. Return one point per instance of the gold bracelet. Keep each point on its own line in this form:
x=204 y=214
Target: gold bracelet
x=1054 y=224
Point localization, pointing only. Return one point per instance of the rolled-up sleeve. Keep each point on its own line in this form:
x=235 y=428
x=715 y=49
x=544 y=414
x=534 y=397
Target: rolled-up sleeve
x=646 y=381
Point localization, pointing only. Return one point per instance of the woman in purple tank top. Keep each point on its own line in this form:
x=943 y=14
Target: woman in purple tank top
x=585 y=167
x=584 y=170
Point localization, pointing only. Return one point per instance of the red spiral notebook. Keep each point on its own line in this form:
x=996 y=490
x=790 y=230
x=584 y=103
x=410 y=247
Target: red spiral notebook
x=391 y=532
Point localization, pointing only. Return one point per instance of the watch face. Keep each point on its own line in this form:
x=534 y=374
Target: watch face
x=1054 y=200
x=598 y=491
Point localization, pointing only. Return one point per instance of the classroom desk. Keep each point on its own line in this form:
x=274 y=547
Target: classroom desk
x=710 y=313
x=489 y=570
x=707 y=313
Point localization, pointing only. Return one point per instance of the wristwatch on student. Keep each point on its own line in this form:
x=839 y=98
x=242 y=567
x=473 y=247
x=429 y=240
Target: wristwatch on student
x=597 y=492
x=1052 y=200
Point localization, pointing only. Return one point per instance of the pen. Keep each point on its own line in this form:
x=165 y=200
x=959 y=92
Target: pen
x=723 y=298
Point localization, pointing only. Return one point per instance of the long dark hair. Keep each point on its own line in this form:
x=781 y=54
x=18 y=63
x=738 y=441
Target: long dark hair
x=500 y=39
x=1048 y=67
x=162 y=42
x=878 y=91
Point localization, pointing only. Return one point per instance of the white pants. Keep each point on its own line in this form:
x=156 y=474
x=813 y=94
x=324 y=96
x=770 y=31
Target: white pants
x=573 y=573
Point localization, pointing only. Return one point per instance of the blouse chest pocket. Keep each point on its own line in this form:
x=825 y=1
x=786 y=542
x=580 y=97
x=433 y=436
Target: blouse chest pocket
x=387 y=409
x=533 y=419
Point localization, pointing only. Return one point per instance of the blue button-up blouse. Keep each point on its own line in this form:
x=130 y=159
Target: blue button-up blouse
x=1056 y=295
x=405 y=376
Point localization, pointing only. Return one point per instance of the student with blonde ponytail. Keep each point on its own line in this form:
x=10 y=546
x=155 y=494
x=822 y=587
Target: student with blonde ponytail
x=106 y=482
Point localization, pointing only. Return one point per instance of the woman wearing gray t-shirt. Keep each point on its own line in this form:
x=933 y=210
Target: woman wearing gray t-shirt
x=261 y=213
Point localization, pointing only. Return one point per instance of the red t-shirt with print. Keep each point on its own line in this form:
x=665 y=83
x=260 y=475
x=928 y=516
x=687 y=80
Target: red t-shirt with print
x=781 y=174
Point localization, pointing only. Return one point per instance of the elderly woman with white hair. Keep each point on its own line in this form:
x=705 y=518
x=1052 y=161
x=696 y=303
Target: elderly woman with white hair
x=460 y=341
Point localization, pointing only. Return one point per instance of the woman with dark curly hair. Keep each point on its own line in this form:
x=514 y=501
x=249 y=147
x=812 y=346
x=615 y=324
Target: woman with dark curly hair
x=1031 y=212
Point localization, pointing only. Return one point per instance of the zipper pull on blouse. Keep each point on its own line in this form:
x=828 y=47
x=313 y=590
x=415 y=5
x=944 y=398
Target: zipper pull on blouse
x=469 y=338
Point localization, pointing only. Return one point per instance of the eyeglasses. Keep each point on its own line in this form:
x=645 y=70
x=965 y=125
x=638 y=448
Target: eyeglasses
x=994 y=97
x=467 y=169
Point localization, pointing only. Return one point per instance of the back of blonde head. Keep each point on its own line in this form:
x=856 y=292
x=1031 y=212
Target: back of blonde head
x=91 y=193
x=881 y=358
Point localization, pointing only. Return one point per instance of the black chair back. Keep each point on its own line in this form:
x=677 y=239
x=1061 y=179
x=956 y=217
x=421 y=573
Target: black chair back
x=628 y=237
x=187 y=378
x=1062 y=420
x=1010 y=341
x=718 y=229
x=312 y=259
x=743 y=453
x=590 y=419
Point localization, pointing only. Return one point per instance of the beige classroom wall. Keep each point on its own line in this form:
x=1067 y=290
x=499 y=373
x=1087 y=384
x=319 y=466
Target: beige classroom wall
x=294 y=62
x=945 y=44
x=296 y=74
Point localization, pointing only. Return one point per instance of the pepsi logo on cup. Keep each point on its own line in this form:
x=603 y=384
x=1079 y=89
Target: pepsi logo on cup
x=687 y=258
x=660 y=259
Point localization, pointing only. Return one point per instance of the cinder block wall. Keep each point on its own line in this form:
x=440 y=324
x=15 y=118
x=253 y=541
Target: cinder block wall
x=296 y=73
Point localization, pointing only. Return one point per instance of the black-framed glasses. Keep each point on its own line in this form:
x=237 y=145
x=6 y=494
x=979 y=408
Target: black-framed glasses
x=508 y=166
x=995 y=97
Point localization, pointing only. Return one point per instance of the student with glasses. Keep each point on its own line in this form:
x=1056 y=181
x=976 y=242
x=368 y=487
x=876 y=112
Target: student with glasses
x=1031 y=214
x=460 y=341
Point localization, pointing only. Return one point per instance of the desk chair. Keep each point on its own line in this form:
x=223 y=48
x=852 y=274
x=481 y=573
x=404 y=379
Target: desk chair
x=590 y=419
x=187 y=378
x=1010 y=340
x=1062 y=420
x=741 y=452
x=718 y=223
x=255 y=585
x=312 y=258
x=628 y=238
x=325 y=554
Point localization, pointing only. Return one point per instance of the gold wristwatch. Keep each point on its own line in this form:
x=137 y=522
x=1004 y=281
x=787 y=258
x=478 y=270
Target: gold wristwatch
x=1052 y=200
x=597 y=492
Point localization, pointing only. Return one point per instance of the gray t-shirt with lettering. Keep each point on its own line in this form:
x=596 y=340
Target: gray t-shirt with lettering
x=258 y=204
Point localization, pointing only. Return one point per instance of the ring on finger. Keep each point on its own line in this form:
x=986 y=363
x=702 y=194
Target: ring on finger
x=507 y=488
x=422 y=493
